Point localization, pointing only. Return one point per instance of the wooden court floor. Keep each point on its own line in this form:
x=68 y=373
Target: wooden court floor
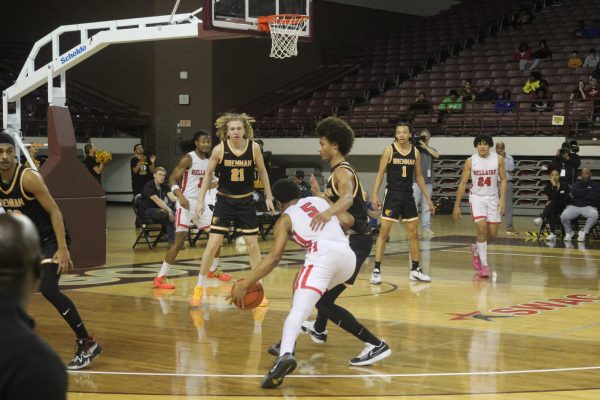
x=531 y=331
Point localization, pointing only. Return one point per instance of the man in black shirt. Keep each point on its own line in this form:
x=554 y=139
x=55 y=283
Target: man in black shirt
x=567 y=162
x=90 y=162
x=304 y=187
x=142 y=169
x=153 y=204
x=29 y=368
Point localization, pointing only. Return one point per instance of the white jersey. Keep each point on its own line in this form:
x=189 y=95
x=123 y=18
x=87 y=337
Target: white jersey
x=301 y=215
x=484 y=175
x=192 y=180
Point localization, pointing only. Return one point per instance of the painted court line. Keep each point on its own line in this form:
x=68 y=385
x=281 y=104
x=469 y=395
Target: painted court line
x=525 y=255
x=527 y=371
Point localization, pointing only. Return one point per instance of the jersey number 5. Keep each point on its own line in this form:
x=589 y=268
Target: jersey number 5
x=309 y=209
x=487 y=181
x=237 y=175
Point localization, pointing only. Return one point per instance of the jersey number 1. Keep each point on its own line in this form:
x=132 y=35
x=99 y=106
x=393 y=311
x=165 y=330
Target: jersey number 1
x=237 y=175
x=487 y=181
x=404 y=171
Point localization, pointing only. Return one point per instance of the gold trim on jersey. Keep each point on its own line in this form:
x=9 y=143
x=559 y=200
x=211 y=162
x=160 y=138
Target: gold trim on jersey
x=13 y=181
x=255 y=230
x=231 y=148
x=357 y=184
x=222 y=152
x=234 y=196
x=22 y=189
x=401 y=153
x=218 y=229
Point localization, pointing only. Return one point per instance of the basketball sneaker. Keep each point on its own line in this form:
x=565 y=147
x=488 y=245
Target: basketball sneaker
x=581 y=236
x=376 y=277
x=428 y=232
x=162 y=282
x=568 y=236
x=274 y=349
x=219 y=274
x=475 y=260
x=537 y=221
x=418 y=275
x=484 y=272
x=308 y=327
x=550 y=238
x=87 y=350
x=286 y=364
x=196 y=300
x=371 y=354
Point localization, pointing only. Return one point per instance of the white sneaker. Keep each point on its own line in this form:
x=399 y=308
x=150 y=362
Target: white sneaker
x=550 y=238
x=428 y=232
x=568 y=236
x=376 y=277
x=308 y=327
x=418 y=275
x=537 y=221
x=581 y=236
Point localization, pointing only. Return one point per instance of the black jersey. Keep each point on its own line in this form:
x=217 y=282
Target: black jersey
x=401 y=169
x=14 y=198
x=358 y=209
x=236 y=171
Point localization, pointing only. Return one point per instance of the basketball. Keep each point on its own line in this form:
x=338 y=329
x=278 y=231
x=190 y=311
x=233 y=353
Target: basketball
x=253 y=297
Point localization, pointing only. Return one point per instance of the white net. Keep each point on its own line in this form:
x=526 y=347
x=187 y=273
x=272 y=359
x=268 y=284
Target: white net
x=285 y=30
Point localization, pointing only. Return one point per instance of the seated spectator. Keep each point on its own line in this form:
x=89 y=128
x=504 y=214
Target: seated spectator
x=558 y=200
x=591 y=60
x=467 y=93
x=596 y=72
x=574 y=61
x=567 y=161
x=523 y=56
x=450 y=105
x=584 y=203
x=523 y=17
x=487 y=94
x=542 y=101
x=542 y=53
x=504 y=104
x=155 y=195
x=420 y=106
x=579 y=92
x=593 y=92
x=544 y=85
x=593 y=32
x=533 y=82
x=304 y=187
x=580 y=30
x=33 y=153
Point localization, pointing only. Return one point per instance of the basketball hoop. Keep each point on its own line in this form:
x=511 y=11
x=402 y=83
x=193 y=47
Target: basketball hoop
x=285 y=30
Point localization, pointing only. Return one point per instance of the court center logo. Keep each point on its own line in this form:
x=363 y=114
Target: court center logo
x=526 y=309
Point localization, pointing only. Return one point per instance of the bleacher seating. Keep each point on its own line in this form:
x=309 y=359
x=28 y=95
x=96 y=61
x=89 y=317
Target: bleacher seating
x=437 y=55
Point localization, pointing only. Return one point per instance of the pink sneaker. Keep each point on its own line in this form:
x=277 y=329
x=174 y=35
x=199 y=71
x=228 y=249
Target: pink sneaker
x=475 y=260
x=484 y=272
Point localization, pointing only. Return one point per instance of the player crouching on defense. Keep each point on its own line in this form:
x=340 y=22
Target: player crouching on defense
x=485 y=169
x=329 y=262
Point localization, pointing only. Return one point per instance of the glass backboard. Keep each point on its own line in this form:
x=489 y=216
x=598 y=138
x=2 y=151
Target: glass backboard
x=241 y=16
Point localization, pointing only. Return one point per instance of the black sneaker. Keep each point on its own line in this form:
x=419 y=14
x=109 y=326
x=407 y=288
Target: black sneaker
x=371 y=354
x=286 y=364
x=274 y=349
x=308 y=327
x=87 y=350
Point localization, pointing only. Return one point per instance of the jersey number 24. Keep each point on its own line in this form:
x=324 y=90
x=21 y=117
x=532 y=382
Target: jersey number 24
x=487 y=181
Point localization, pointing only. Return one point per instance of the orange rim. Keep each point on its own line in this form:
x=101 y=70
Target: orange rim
x=283 y=19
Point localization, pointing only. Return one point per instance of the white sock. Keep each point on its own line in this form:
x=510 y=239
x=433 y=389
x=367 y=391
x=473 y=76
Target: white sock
x=214 y=265
x=164 y=269
x=482 y=250
x=201 y=280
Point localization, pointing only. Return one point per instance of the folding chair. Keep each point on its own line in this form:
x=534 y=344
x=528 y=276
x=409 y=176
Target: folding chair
x=151 y=232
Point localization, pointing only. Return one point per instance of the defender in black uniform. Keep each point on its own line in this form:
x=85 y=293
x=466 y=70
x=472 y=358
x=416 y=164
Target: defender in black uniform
x=234 y=160
x=401 y=160
x=23 y=191
x=344 y=191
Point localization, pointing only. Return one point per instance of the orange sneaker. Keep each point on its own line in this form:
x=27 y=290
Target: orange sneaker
x=162 y=282
x=196 y=300
x=218 y=274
